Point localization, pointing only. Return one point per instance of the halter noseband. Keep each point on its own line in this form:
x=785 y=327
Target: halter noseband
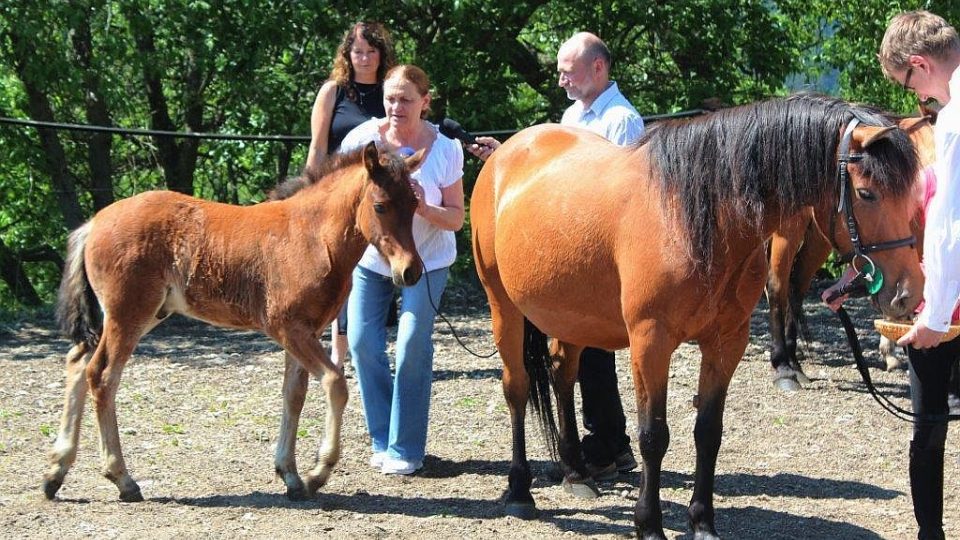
x=869 y=279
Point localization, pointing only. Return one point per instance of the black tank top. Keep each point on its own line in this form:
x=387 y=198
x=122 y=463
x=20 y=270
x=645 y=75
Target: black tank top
x=349 y=114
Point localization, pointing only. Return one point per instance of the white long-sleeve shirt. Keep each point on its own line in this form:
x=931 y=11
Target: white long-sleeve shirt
x=941 y=242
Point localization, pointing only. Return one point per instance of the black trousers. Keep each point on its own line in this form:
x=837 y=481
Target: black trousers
x=930 y=378
x=603 y=415
x=930 y=374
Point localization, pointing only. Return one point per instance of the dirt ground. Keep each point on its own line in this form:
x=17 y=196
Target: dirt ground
x=199 y=411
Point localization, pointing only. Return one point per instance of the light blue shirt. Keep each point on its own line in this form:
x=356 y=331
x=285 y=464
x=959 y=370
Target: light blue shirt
x=610 y=115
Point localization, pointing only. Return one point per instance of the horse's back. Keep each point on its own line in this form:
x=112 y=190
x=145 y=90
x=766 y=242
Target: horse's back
x=562 y=217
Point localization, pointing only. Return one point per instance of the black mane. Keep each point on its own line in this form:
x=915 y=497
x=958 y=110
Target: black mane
x=735 y=162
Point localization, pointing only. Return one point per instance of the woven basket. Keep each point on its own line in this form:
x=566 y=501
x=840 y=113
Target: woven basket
x=894 y=330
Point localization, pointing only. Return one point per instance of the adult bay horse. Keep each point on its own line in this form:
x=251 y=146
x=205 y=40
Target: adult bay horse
x=282 y=267
x=798 y=248
x=650 y=246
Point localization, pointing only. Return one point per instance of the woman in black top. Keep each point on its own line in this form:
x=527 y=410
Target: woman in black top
x=352 y=95
x=354 y=92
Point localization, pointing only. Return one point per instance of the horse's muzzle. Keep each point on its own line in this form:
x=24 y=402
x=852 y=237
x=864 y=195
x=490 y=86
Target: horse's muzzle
x=408 y=276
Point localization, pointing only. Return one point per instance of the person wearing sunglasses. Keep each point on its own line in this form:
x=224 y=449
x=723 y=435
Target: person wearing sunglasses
x=921 y=52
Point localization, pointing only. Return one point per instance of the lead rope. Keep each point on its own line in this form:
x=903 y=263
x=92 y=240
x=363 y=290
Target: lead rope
x=444 y=319
x=883 y=400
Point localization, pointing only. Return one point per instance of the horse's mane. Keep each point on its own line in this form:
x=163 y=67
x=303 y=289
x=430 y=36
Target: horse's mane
x=734 y=163
x=315 y=173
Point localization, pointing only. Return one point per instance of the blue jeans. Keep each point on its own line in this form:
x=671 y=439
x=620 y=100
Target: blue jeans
x=396 y=407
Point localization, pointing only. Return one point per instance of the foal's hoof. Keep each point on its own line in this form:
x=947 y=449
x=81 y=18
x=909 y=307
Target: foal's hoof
x=131 y=496
x=585 y=490
x=521 y=510
x=51 y=487
x=787 y=384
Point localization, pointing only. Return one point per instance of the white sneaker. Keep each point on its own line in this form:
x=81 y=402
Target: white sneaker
x=400 y=466
x=376 y=460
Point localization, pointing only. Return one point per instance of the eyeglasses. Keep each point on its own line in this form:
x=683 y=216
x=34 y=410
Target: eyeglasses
x=906 y=80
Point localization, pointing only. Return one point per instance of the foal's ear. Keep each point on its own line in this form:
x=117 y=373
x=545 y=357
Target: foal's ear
x=414 y=161
x=864 y=136
x=371 y=157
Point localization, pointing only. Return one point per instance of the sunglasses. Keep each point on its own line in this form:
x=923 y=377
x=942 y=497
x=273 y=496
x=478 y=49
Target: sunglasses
x=906 y=80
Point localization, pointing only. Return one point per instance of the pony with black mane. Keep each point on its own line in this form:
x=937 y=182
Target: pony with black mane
x=667 y=246
x=797 y=250
x=282 y=267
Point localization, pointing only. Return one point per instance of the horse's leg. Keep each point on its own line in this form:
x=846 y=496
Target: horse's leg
x=783 y=248
x=295 y=383
x=650 y=350
x=64 y=452
x=576 y=480
x=103 y=375
x=507 y=323
x=305 y=347
x=720 y=358
x=888 y=351
x=811 y=256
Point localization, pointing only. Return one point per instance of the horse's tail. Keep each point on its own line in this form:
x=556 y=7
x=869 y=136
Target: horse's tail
x=537 y=363
x=78 y=310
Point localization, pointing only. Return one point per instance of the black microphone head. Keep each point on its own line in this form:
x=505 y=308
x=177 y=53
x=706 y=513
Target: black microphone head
x=451 y=128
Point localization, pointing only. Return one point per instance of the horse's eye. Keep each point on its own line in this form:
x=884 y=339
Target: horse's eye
x=866 y=195
x=379 y=208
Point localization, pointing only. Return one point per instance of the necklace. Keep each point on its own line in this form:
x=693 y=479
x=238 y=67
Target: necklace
x=371 y=89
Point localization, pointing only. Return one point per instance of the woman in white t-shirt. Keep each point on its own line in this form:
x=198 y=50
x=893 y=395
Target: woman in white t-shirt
x=396 y=406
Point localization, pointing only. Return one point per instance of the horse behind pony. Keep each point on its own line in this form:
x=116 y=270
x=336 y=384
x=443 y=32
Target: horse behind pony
x=282 y=267
x=650 y=246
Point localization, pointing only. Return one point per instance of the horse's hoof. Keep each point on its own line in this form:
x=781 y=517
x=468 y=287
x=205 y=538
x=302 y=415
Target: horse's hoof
x=584 y=490
x=131 y=496
x=895 y=364
x=51 y=487
x=297 y=493
x=787 y=384
x=801 y=377
x=521 y=510
x=705 y=535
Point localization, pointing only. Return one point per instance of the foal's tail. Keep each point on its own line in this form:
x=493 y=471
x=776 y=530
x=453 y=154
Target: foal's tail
x=77 y=306
x=537 y=362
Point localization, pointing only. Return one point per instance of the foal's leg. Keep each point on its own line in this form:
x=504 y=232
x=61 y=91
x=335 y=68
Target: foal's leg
x=576 y=480
x=650 y=350
x=64 y=452
x=304 y=346
x=295 y=383
x=103 y=375
x=720 y=358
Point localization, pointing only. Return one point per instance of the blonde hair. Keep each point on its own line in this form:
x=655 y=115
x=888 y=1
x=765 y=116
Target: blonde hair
x=378 y=37
x=414 y=75
x=916 y=32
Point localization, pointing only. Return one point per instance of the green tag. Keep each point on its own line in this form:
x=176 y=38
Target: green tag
x=874 y=279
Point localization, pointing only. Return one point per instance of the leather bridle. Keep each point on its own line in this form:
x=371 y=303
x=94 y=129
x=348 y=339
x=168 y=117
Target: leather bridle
x=869 y=280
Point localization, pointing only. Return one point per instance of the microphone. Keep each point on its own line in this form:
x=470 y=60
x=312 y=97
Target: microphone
x=451 y=128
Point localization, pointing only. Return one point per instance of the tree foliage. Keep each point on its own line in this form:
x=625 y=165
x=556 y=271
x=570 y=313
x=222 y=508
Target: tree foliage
x=254 y=66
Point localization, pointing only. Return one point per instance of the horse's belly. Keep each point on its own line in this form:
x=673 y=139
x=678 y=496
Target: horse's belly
x=565 y=292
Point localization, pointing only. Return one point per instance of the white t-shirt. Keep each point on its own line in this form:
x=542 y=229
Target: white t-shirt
x=941 y=233
x=442 y=167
